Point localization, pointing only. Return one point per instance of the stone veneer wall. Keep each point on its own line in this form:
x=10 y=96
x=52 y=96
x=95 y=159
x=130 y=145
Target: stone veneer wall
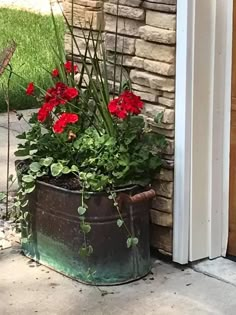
x=147 y=38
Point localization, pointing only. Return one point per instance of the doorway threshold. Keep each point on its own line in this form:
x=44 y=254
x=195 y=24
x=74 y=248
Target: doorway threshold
x=220 y=268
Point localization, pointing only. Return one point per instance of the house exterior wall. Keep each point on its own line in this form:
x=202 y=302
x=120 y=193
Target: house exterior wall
x=147 y=39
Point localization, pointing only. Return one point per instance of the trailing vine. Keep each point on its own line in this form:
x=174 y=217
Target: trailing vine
x=131 y=239
x=86 y=250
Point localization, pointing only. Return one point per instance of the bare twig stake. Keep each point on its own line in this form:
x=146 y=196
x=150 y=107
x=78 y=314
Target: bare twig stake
x=5 y=58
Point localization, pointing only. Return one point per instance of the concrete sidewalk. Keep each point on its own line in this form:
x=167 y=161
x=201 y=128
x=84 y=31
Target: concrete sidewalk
x=40 y=6
x=16 y=127
x=27 y=289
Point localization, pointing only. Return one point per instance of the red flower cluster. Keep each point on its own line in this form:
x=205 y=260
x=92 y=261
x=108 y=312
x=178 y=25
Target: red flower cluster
x=55 y=73
x=44 y=111
x=30 y=89
x=127 y=103
x=68 y=68
x=60 y=94
x=63 y=121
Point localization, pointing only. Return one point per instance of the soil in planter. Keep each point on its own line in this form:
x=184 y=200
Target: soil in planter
x=64 y=181
x=67 y=181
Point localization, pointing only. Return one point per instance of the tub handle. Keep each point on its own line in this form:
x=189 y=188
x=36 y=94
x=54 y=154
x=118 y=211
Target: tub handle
x=146 y=195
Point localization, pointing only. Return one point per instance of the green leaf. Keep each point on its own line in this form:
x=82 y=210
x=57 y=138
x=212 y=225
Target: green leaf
x=24 y=152
x=77 y=144
x=85 y=251
x=24 y=204
x=119 y=222
x=90 y=249
x=25 y=215
x=81 y=210
x=66 y=170
x=159 y=117
x=29 y=189
x=85 y=227
x=132 y=241
x=17 y=204
x=56 y=169
x=74 y=168
x=110 y=142
x=28 y=179
x=21 y=136
x=87 y=196
x=135 y=241
x=40 y=174
x=46 y=162
x=129 y=242
x=35 y=167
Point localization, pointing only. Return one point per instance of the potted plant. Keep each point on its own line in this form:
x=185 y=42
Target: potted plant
x=84 y=191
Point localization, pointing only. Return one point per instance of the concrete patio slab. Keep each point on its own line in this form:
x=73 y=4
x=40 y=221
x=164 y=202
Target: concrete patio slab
x=41 y=7
x=27 y=289
x=16 y=127
x=220 y=268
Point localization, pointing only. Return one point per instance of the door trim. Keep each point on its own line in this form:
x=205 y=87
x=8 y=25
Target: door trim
x=183 y=112
x=227 y=126
x=214 y=216
x=219 y=216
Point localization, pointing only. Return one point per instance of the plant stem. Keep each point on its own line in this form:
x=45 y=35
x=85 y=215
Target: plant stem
x=8 y=140
x=119 y=213
x=8 y=152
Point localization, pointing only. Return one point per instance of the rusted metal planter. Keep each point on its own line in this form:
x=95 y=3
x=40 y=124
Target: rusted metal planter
x=55 y=236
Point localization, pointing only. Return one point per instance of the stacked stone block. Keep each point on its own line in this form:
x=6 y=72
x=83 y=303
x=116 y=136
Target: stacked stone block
x=146 y=39
x=85 y=13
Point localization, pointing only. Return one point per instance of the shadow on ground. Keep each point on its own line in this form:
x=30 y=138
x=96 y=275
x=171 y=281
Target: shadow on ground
x=27 y=288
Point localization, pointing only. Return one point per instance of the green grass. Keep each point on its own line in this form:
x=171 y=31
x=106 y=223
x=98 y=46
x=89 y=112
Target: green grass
x=34 y=35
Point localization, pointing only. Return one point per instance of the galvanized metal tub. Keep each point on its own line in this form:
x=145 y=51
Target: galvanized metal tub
x=55 y=237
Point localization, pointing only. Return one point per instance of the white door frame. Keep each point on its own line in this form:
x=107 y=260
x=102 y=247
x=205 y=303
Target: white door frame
x=202 y=138
x=183 y=110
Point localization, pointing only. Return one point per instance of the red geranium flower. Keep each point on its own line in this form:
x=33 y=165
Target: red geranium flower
x=60 y=94
x=44 y=111
x=30 y=89
x=55 y=94
x=64 y=120
x=70 y=93
x=69 y=67
x=55 y=73
x=127 y=103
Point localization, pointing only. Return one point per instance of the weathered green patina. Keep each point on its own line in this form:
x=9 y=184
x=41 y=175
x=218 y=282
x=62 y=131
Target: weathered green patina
x=55 y=236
